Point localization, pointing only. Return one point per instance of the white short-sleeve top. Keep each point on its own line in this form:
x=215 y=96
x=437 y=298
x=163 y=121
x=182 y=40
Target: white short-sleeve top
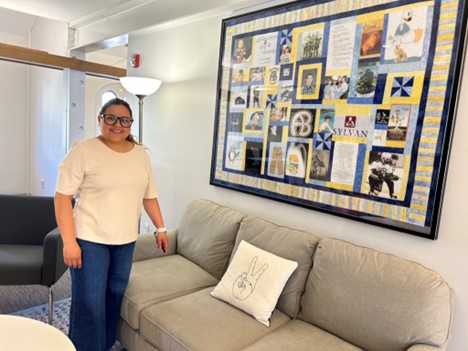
x=109 y=188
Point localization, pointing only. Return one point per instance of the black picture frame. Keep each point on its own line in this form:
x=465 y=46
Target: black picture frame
x=344 y=107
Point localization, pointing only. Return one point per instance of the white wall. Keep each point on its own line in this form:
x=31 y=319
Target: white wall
x=47 y=123
x=179 y=121
x=33 y=117
x=14 y=97
x=48 y=113
x=49 y=35
x=13 y=122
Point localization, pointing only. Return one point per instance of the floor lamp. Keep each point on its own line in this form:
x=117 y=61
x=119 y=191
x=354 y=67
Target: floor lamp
x=141 y=87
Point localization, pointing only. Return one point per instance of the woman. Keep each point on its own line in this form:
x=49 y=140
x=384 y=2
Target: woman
x=110 y=177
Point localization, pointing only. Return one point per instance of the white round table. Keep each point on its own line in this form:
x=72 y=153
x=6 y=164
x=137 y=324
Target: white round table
x=21 y=333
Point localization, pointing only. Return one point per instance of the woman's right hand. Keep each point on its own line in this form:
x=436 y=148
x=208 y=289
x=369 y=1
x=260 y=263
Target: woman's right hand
x=66 y=225
x=72 y=254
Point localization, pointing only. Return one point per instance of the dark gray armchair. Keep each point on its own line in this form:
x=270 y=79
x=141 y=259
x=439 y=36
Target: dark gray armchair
x=31 y=249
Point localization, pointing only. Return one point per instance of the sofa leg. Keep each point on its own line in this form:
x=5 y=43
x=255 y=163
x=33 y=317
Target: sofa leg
x=51 y=305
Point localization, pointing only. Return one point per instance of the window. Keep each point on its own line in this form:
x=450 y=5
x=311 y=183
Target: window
x=106 y=96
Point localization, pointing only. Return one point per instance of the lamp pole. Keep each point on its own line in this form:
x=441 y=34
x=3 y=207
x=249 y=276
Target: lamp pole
x=140 y=117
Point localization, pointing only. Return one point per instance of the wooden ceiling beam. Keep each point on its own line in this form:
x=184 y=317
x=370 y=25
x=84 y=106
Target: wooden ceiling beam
x=44 y=59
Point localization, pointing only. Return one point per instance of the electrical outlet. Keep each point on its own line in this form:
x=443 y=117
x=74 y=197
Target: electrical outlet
x=42 y=183
x=147 y=228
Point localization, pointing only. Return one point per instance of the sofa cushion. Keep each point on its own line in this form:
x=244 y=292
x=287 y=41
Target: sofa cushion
x=294 y=245
x=142 y=345
x=206 y=235
x=374 y=300
x=301 y=336
x=126 y=335
x=159 y=279
x=254 y=281
x=199 y=322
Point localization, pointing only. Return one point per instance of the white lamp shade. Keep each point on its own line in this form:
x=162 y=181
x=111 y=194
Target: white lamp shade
x=140 y=85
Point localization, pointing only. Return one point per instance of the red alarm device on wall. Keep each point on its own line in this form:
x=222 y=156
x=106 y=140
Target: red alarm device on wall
x=135 y=60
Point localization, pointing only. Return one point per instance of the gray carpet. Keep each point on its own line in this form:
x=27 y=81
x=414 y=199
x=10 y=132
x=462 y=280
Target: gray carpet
x=19 y=297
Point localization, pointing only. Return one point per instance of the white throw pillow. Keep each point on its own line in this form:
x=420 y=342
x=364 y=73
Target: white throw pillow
x=254 y=281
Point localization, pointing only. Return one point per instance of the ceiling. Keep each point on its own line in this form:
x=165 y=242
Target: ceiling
x=109 y=18
x=69 y=10
x=19 y=16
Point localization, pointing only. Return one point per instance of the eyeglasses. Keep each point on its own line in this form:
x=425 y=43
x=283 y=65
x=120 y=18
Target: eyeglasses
x=111 y=120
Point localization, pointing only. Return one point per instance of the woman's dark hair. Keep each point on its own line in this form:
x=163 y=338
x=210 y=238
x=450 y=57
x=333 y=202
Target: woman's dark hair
x=117 y=101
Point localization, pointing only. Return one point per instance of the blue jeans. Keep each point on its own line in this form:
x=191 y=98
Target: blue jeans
x=97 y=293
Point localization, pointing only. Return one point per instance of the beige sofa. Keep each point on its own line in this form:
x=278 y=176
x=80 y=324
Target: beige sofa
x=340 y=297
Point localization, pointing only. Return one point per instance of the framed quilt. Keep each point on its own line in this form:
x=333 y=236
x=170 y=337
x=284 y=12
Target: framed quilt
x=342 y=106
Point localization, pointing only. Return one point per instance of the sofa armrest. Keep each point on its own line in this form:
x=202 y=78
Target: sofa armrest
x=422 y=347
x=146 y=248
x=53 y=264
